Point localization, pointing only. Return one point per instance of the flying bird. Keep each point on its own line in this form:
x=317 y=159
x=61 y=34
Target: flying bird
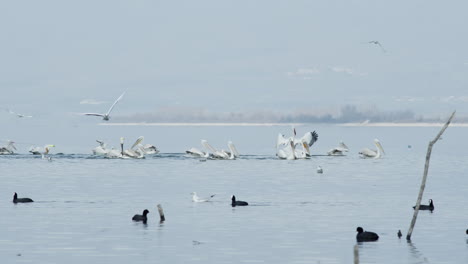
x=106 y=116
x=17 y=114
x=377 y=43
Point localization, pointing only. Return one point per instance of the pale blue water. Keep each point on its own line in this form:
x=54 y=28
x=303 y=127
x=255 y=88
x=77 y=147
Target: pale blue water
x=84 y=205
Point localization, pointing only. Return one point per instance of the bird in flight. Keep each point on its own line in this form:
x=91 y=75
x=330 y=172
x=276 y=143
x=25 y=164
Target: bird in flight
x=377 y=43
x=106 y=116
x=17 y=114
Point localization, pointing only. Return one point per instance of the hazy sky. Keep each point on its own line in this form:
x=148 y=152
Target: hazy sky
x=233 y=55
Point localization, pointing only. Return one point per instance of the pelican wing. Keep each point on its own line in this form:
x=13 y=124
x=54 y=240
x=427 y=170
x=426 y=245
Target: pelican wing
x=138 y=141
x=116 y=101
x=195 y=152
x=208 y=146
x=233 y=149
x=94 y=114
x=281 y=141
x=11 y=144
x=343 y=146
x=309 y=138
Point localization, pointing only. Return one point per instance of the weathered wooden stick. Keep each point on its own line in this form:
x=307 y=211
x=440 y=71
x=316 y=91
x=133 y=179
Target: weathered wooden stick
x=426 y=169
x=161 y=214
x=356 y=254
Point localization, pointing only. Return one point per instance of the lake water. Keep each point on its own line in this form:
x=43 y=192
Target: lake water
x=84 y=205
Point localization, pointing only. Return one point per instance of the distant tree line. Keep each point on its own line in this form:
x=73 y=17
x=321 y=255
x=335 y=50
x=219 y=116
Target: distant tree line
x=347 y=114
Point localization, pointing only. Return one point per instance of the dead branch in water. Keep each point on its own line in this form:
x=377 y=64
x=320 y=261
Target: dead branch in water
x=426 y=169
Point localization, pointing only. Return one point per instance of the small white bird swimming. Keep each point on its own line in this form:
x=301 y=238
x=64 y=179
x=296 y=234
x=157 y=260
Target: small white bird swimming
x=106 y=116
x=197 y=199
x=319 y=169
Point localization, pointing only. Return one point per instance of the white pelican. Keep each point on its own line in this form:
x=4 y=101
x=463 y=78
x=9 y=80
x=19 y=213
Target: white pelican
x=40 y=151
x=106 y=116
x=100 y=150
x=375 y=154
x=197 y=153
x=127 y=153
x=8 y=149
x=197 y=199
x=282 y=144
x=338 y=151
x=146 y=149
x=221 y=154
x=288 y=152
x=18 y=115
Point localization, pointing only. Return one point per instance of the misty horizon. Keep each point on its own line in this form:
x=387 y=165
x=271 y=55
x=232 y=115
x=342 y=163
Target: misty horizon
x=346 y=114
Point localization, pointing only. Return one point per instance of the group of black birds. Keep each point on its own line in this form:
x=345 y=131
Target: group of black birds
x=144 y=217
x=362 y=236
x=365 y=236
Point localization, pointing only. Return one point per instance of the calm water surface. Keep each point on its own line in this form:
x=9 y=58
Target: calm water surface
x=84 y=205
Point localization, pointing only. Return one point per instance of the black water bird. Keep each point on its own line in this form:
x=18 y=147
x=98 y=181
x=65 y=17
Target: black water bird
x=363 y=236
x=143 y=218
x=429 y=207
x=21 y=200
x=399 y=234
x=237 y=203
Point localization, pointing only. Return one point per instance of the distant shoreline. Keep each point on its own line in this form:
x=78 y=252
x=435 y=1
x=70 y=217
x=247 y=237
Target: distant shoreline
x=290 y=124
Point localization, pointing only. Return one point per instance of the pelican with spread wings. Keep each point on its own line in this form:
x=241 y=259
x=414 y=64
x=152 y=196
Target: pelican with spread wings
x=284 y=146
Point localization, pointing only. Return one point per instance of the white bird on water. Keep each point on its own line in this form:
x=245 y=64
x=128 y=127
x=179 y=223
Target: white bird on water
x=8 y=149
x=106 y=116
x=40 y=151
x=147 y=149
x=374 y=154
x=319 y=170
x=100 y=150
x=197 y=199
x=286 y=148
x=215 y=154
x=127 y=153
x=338 y=151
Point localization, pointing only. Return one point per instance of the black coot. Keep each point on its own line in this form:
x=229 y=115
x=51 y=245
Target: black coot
x=21 y=200
x=363 y=236
x=429 y=207
x=143 y=218
x=237 y=203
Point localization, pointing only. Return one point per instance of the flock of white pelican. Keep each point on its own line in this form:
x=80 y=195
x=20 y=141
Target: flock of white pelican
x=288 y=148
x=136 y=151
x=212 y=153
